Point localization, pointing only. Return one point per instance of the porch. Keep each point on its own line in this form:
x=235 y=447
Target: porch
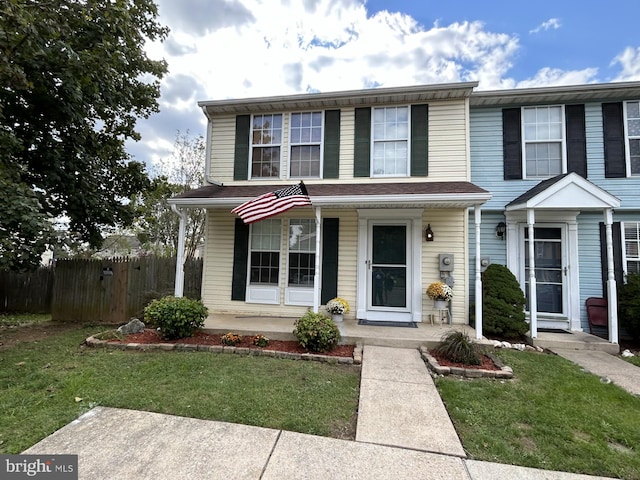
x=281 y=328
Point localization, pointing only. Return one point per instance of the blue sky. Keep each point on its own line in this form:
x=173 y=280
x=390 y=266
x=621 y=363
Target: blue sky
x=247 y=48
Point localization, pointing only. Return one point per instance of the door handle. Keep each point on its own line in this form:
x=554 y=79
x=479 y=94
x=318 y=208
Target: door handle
x=368 y=262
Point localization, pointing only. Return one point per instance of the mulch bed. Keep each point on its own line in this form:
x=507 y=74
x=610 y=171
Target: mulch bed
x=487 y=362
x=203 y=338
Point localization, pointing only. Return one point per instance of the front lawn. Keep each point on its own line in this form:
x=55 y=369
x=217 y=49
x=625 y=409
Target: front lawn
x=552 y=415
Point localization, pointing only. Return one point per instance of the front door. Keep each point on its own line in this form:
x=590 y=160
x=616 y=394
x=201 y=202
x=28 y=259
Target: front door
x=389 y=271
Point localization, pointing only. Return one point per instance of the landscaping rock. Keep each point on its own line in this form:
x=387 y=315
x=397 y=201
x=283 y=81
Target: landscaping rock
x=627 y=353
x=134 y=326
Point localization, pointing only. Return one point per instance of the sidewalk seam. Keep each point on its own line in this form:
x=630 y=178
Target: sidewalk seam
x=266 y=464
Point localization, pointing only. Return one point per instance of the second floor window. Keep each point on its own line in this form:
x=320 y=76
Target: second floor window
x=306 y=142
x=543 y=136
x=633 y=136
x=265 y=252
x=266 y=142
x=390 y=132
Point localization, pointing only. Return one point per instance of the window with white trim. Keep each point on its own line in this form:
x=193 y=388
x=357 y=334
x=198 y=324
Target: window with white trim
x=632 y=247
x=543 y=138
x=266 y=143
x=390 y=138
x=632 y=124
x=265 y=252
x=302 y=252
x=305 y=140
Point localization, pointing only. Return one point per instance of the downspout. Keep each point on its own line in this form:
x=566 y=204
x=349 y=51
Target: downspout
x=477 y=214
x=612 y=295
x=207 y=150
x=179 y=282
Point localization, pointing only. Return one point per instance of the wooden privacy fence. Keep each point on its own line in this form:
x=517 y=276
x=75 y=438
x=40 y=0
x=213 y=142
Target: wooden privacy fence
x=28 y=292
x=113 y=291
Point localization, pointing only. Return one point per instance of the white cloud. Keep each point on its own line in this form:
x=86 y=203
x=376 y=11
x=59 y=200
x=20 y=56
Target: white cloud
x=552 y=23
x=552 y=76
x=629 y=60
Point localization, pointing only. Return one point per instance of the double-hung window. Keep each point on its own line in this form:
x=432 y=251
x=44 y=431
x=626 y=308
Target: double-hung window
x=266 y=143
x=632 y=122
x=632 y=247
x=543 y=138
x=390 y=139
x=265 y=252
x=302 y=256
x=305 y=140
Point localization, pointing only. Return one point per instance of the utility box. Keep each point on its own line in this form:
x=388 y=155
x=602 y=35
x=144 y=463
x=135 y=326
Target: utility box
x=446 y=262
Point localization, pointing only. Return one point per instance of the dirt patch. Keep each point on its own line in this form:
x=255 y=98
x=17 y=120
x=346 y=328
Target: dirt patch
x=487 y=362
x=14 y=335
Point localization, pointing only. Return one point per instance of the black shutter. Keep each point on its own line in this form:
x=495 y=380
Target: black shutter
x=419 y=140
x=330 y=232
x=241 y=153
x=362 y=144
x=576 y=140
x=240 y=256
x=614 y=151
x=512 y=143
x=331 y=144
x=618 y=270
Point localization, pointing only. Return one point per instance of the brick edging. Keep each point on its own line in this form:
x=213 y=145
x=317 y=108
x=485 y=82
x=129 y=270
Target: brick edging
x=505 y=372
x=92 y=341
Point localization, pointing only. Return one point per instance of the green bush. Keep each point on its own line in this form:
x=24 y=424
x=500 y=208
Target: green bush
x=458 y=347
x=260 y=341
x=629 y=305
x=175 y=317
x=502 y=303
x=316 y=332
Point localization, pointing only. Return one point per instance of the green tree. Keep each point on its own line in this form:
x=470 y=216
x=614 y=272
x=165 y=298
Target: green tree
x=503 y=303
x=74 y=77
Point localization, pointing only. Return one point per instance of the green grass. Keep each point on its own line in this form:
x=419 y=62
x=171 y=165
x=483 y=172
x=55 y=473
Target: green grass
x=635 y=360
x=41 y=384
x=22 y=319
x=552 y=416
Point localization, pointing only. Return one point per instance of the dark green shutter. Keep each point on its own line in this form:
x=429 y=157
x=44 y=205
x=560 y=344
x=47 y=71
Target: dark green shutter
x=576 y=140
x=330 y=231
x=362 y=143
x=331 y=144
x=512 y=143
x=240 y=257
x=241 y=154
x=615 y=165
x=419 y=140
x=618 y=268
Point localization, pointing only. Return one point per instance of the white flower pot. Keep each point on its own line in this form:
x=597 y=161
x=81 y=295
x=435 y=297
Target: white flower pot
x=440 y=304
x=337 y=317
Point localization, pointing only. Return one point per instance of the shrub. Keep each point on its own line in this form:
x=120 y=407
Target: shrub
x=503 y=303
x=458 y=347
x=231 y=339
x=629 y=305
x=175 y=317
x=316 y=332
x=260 y=341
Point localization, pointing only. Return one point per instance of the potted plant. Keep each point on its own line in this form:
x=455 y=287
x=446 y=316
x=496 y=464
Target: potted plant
x=440 y=293
x=337 y=307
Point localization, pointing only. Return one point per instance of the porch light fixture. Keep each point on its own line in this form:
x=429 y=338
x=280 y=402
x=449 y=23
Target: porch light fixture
x=501 y=228
x=428 y=233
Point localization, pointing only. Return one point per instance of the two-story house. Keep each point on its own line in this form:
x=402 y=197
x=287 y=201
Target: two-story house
x=563 y=166
x=388 y=174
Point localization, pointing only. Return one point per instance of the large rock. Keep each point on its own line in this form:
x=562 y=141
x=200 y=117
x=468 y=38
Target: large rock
x=134 y=326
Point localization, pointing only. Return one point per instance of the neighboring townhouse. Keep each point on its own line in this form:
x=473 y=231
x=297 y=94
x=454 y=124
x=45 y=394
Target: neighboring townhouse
x=388 y=174
x=563 y=167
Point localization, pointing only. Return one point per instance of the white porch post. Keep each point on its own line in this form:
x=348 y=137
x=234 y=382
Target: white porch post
x=179 y=282
x=533 y=296
x=477 y=213
x=316 y=278
x=612 y=294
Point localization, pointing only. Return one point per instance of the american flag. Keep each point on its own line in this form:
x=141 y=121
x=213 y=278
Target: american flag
x=273 y=203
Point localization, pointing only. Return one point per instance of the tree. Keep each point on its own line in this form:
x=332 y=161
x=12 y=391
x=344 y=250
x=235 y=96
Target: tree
x=74 y=77
x=157 y=226
x=503 y=303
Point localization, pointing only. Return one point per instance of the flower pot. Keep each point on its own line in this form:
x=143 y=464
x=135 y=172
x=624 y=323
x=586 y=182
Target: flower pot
x=337 y=317
x=440 y=304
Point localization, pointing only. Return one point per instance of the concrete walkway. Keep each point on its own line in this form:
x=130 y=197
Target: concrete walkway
x=402 y=422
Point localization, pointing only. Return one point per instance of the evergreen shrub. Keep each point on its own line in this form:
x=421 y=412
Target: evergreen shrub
x=503 y=304
x=629 y=305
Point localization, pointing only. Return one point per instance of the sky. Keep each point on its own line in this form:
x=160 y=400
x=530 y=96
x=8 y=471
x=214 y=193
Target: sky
x=225 y=49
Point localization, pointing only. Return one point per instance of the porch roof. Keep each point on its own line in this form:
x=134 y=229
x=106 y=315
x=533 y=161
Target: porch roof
x=346 y=195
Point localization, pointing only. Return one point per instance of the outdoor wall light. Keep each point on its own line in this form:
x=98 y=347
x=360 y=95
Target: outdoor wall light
x=501 y=228
x=428 y=233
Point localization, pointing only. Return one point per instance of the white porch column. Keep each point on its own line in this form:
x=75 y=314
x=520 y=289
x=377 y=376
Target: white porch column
x=316 y=278
x=179 y=282
x=477 y=214
x=612 y=294
x=533 y=296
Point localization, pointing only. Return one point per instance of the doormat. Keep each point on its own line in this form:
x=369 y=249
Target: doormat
x=553 y=330
x=375 y=323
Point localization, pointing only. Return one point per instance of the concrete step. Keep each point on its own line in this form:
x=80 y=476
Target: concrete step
x=574 y=341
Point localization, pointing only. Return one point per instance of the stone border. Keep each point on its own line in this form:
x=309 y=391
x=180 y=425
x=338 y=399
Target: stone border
x=92 y=341
x=505 y=372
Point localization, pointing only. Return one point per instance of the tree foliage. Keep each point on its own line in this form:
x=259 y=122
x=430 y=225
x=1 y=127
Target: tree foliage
x=503 y=303
x=629 y=305
x=74 y=77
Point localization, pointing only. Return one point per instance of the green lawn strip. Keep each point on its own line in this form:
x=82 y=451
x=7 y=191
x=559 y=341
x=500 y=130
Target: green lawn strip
x=552 y=416
x=13 y=320
x=40 y=383
x=635 y=360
